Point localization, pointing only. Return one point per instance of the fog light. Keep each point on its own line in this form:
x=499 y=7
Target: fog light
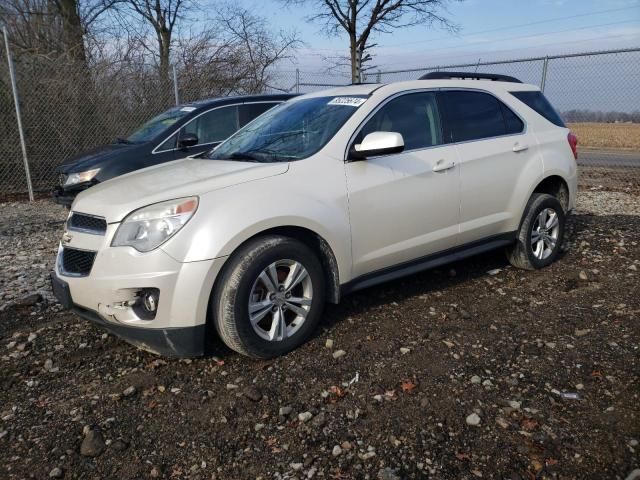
x=146 y=304
x=150 y=301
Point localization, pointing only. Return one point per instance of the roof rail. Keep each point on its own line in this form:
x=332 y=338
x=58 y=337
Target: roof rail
x=443 y=75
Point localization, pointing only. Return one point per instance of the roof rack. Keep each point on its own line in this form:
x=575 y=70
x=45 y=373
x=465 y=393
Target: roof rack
x=443 y=75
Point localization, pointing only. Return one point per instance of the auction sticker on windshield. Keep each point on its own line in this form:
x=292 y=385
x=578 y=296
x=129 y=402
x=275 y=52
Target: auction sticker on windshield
x=348 y=101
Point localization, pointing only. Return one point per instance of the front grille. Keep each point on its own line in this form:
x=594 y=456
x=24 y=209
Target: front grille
x=87 y=223
x=77 y=262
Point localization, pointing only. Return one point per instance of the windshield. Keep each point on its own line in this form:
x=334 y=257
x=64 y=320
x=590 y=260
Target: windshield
x=291 y=131
x=157 y=125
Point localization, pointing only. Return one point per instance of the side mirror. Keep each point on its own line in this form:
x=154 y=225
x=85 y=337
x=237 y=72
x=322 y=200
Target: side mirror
x=187 y=140
x=378 y=143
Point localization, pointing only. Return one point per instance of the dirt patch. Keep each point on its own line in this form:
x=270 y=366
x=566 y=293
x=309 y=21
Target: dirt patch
x=621 y=179
x=477 y=370
x=625 y=136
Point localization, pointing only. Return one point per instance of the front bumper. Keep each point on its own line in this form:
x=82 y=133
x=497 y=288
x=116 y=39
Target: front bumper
x=107 y=294
x=169 y=342
x=66 y=197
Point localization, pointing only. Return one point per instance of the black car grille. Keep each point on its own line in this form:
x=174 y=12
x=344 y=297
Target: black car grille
x=77 y=262
x=87 y=223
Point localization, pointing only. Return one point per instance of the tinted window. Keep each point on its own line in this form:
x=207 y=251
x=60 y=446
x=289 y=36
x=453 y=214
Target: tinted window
x=168 y=144
x=415 y=116
x=512 y=122
x=249 y=111
x=159 y=124
x=473 y=115
x=538 y=102
x=215 y=125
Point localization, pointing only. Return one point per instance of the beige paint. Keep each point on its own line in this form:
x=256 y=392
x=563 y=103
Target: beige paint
x=373 y=214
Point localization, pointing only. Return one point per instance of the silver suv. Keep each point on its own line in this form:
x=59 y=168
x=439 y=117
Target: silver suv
x=324 y=194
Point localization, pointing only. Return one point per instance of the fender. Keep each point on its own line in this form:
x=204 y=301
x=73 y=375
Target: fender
x=234 y=214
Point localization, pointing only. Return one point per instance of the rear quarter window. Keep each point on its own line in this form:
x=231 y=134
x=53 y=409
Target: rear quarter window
x=512 y=122
x=538 y=102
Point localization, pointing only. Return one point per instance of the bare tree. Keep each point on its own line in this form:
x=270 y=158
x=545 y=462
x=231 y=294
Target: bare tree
x=162 y=16
x=53 y=27
x=72 y=29
x=258 y=47
x=359 y=19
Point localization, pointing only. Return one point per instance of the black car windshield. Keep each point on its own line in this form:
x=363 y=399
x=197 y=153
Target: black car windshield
x=158 y=124
x=291 y=131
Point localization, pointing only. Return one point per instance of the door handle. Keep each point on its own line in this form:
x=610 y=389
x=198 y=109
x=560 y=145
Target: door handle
x=520 y=148
x=441 y=165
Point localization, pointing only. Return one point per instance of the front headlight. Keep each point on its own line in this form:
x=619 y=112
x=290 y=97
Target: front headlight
x=80 y=177
x=149 y=227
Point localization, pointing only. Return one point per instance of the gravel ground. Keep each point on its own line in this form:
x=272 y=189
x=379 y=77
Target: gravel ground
x=29 y=235
x=477 y=370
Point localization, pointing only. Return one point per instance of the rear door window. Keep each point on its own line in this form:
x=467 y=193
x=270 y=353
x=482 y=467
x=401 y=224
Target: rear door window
x=538 y=102
x=415 y=116
x=472 y=116
x=250 y=111
x=215 y=125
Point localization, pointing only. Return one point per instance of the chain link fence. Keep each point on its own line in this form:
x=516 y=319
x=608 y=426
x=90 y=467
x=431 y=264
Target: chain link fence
x=68 y=110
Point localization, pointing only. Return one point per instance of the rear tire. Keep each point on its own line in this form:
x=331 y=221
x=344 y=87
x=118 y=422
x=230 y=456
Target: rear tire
x=269 y=298
x=540 y=235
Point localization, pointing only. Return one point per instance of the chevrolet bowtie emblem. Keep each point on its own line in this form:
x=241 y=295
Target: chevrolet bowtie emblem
x=66 y=238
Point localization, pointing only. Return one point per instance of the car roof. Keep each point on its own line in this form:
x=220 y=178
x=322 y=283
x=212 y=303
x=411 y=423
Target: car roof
x=216 y=101
x=395 y=87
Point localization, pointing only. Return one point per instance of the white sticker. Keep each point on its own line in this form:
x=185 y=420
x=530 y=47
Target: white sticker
x=348 y=101
x=187 y=109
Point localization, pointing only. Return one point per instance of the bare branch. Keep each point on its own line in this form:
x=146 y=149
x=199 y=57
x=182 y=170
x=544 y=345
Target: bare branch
x=360 y=19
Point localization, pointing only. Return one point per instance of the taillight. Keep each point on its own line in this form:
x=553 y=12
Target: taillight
x=573 y=142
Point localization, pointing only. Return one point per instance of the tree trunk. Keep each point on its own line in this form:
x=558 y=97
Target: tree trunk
x=72 y=32
x=164 y=41
x=353 y=51
x=82 y=109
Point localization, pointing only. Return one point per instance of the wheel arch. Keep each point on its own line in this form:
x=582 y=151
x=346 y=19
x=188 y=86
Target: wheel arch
x=554 y=185
x=314 y=241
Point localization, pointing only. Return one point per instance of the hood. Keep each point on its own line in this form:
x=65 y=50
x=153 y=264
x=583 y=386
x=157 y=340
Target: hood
x=116 y=198
x=97 y=157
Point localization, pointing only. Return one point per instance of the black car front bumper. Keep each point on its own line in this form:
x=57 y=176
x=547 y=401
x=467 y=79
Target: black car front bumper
x=66 y=196
x=169 y=342
x=61 y=197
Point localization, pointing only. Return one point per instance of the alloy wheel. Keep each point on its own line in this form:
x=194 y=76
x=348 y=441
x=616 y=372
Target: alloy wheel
x=280 y=300
x=545 y=232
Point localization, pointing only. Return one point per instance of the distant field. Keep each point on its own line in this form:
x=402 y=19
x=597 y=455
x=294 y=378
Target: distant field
x=607 y=135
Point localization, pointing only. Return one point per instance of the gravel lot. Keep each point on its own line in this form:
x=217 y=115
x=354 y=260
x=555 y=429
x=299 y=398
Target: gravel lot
x=477 y=370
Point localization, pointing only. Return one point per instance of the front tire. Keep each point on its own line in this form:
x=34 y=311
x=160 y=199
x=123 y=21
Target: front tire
x=540 y=235
x=269 y=298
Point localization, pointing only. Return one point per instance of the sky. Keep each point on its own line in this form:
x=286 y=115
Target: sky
x=488 y=30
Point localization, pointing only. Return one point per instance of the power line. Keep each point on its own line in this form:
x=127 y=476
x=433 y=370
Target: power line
x=521 y=37
x=475 y=55
x=515 y=26
x=599 y=12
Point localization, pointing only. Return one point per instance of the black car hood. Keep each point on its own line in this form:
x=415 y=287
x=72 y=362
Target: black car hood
x=97 y=157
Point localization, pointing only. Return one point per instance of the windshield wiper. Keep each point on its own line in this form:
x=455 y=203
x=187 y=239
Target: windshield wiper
x=244 y=156
x=123 y=141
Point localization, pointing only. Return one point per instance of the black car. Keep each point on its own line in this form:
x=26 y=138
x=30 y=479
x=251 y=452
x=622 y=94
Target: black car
x=179 y=132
